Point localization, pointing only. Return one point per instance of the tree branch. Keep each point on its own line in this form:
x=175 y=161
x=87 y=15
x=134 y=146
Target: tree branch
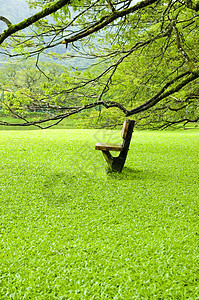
x=5 y=20
x=31 y=20
x=162 y=94
x=106 y=20
x=192 y=5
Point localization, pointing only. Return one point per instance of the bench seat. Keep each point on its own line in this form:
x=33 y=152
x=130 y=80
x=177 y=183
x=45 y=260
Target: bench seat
x=108 y=147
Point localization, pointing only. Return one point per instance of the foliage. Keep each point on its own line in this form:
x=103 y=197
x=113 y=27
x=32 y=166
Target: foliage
x=146 y=52
x=140 y=76
x=25 y=86
x=71 y=231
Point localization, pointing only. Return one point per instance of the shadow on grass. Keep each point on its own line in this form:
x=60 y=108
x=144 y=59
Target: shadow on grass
x=135 y=174
x=64 y=187
x=81 y=177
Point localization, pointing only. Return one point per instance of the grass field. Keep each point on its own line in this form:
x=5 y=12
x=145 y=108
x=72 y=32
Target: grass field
x=69 y=230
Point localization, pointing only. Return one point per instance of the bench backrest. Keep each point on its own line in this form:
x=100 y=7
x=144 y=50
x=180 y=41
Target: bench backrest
x=125 y=129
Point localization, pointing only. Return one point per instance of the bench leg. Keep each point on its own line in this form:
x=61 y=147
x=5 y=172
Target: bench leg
x=109 y=159
x=115 y=164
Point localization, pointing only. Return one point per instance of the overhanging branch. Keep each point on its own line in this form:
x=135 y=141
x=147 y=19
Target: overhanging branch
x=164 y=93
x=31 y=20
x=106 y=20
x=110 y=104
x=5 y=20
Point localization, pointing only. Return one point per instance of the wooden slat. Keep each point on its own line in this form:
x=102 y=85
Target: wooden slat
x=125 y=129
x=108 y=147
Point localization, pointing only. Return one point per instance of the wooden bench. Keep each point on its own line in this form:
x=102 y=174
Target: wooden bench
x=116 y=164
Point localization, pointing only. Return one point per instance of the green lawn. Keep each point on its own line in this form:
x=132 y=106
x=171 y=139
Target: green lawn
x=69 y=230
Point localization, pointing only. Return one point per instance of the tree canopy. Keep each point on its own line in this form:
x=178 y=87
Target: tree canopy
x=139 y=58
